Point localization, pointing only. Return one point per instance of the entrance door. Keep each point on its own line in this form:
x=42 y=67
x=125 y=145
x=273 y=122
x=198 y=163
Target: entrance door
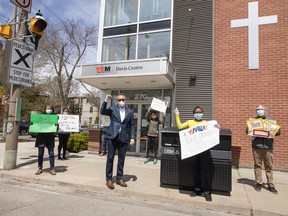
x=141 y=129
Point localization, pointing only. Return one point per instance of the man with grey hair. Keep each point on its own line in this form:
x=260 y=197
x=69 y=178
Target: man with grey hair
x=262 y=148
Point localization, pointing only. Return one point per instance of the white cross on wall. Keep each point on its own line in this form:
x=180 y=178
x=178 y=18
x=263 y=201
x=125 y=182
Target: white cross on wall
x=253 y=22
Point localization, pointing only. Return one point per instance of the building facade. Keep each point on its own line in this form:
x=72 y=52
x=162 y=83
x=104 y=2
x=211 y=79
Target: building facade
x=226 y=56
x=88 y=113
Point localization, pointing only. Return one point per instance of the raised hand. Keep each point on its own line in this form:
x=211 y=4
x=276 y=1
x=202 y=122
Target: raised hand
x=108 y=97
x=176 y=111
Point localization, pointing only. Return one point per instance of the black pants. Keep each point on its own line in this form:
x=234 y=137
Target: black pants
x=201 y=170
x=113 y=145
x=152 y=145
x=63 y=140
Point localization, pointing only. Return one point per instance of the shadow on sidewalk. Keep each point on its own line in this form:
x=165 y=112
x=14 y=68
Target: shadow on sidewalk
x=75 y=156
x=126 y=178
x=59 y=169
x=246 y=181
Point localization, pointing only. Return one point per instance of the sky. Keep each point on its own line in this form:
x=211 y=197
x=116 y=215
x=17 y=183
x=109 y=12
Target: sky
x=54 y=10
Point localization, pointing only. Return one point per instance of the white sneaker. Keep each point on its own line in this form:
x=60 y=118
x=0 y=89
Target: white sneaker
x=146 y=161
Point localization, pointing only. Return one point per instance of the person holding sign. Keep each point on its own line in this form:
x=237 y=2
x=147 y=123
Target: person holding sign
x=262 y=148
x=121 y=124
x=63 y=140
x=152 y=134
x=201 y=161
x=46 y=140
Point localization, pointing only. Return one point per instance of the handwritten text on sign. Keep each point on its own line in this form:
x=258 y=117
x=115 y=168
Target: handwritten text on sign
x=43 y=123
x=198 y=139
x=68 y=123
x=159 y=105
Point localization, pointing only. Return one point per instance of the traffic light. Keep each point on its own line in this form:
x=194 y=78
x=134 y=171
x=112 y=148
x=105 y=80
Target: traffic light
x=37 y=27
x=37 y=24
x=6 y=31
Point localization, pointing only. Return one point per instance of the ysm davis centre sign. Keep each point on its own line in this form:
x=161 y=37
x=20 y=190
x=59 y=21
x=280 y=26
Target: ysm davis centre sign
x=21 y=63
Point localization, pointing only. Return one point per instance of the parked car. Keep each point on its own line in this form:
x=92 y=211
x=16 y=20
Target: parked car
x=23 y=127
x=96 y=126
x=83 y=129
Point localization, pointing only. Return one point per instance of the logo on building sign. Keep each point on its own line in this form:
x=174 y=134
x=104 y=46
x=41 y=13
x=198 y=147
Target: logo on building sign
x=252 y=22
x=102 y=69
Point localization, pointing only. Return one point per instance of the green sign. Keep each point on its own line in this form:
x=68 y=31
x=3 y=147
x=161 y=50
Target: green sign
x=18 y=109
x=43 y=123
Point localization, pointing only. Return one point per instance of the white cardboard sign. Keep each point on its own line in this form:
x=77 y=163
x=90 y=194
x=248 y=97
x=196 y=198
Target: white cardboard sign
x=159 y=105
x=68 y=123
x=199 y=139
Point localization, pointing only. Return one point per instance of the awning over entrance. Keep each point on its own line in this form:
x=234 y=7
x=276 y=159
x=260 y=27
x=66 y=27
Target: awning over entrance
x=137 y=74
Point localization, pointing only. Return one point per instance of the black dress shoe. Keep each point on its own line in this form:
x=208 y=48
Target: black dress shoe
x=195 y=193
x=273 y=190
x=121 y=183
x=208 y=196
x=110 y=185
x=258 y=187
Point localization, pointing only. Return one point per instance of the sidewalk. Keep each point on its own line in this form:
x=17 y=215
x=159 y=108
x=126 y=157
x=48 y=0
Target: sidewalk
x=86 y=171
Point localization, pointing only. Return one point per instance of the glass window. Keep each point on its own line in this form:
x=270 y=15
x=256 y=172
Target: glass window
x=120 y=48
x=153 y=45
x=118 y=12
x=155 y=9
x=91 y=109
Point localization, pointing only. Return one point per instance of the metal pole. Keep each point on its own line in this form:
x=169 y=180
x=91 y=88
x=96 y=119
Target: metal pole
x=6 y=105
x=11 y=146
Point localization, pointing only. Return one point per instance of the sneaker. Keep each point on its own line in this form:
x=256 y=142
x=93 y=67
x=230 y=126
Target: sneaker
x=60 y=158
x=64 y=158
x=258 y=187
x=102 y=154
x=208 y=196
x=39 y=171
x=146 y=161
x=155 y=161
x=52 y=171
x=273 y=190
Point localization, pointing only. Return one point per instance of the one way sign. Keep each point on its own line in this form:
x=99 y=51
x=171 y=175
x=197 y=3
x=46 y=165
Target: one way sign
x=21 y=63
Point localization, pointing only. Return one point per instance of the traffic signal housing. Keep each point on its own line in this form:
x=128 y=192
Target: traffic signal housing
x=37 y=24
x=6 y=31
x=36 y=28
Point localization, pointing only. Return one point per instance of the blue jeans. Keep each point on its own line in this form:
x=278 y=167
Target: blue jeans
x=103 y=141
x=114 y=145
x=41 y=151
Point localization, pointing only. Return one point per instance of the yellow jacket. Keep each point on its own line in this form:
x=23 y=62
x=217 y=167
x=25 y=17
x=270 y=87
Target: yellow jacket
x=187 y=124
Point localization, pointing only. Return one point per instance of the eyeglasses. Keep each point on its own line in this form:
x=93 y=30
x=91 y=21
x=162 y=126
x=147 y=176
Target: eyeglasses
x=121 y=99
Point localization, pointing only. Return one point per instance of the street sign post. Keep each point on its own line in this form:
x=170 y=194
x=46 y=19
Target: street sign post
x=24 y=4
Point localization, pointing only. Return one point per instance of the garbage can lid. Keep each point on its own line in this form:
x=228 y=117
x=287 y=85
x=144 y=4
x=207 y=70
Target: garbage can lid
x=226 y=132
x=170 y=130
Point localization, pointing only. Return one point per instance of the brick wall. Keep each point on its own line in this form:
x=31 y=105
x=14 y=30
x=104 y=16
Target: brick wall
x=94 y=140
x=237 y=89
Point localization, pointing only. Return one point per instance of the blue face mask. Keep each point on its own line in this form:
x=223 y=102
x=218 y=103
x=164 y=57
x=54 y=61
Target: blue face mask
x=198 y=116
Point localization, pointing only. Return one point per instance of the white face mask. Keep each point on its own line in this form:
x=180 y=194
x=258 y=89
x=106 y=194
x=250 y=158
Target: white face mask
x=121 y=103
x=260 y=112
x=48 y=111
x=65 y=113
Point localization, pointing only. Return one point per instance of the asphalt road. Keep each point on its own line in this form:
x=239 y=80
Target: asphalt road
x=19 y=198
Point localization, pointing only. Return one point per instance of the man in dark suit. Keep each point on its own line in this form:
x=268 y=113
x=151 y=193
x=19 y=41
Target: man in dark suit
x=121 y=120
